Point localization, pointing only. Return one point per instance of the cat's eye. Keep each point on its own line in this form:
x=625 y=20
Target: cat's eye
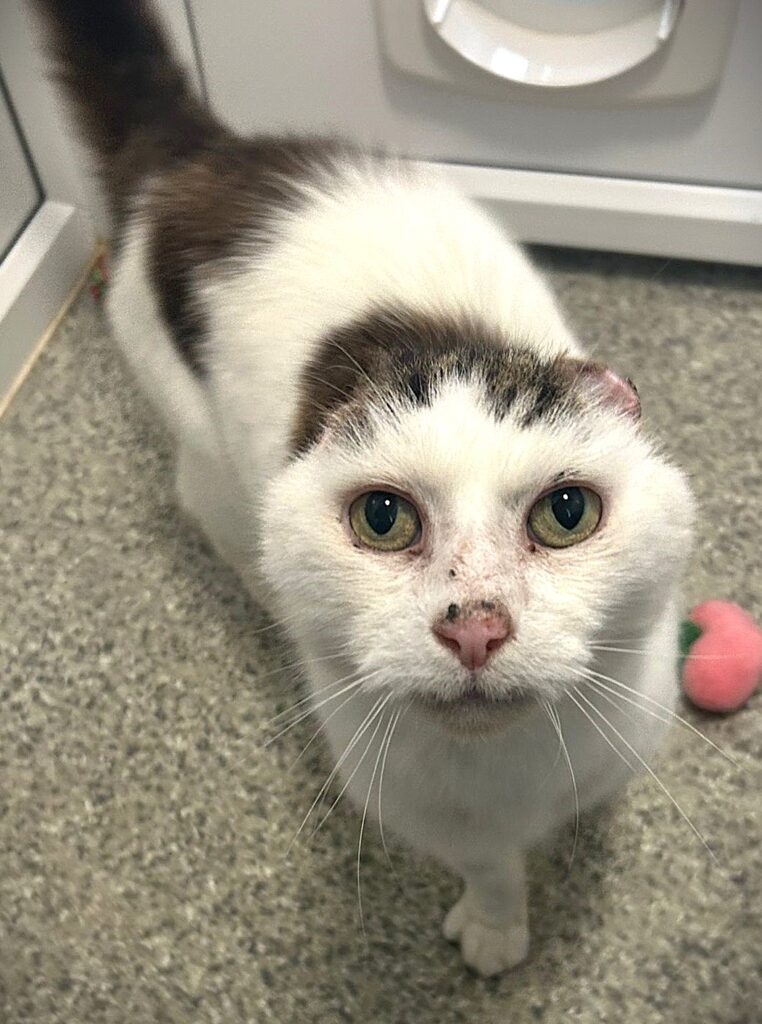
x=565 y=516
x=385 y=521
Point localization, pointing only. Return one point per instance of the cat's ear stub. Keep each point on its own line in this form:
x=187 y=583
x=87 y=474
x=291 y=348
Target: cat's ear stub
x=615 y=391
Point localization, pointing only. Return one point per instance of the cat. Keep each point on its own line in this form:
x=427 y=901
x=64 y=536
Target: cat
x=383 y=423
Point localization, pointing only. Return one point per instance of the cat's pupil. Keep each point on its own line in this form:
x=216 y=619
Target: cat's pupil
x=568 y=506
x=381 y=511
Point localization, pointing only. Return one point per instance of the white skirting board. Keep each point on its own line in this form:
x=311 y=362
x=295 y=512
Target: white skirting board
x=618 y=214
x=621 y=215
x=36 y=279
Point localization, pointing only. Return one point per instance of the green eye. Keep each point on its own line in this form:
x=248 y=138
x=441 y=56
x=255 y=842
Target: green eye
x=385 y=521
x=566 y=516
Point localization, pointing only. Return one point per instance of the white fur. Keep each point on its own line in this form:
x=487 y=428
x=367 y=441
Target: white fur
x=376 y=235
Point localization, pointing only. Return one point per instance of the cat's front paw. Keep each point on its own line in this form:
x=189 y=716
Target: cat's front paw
x=486 y=947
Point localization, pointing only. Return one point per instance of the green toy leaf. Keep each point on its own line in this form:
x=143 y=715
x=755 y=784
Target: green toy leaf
x=687 y=636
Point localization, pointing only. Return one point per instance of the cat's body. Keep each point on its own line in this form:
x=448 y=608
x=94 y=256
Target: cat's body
x=316 y=324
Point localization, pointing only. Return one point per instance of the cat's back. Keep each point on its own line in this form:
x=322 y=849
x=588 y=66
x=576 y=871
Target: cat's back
x=233 y=269
x=368 y=235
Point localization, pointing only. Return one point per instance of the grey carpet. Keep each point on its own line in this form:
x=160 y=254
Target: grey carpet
x=143 y=829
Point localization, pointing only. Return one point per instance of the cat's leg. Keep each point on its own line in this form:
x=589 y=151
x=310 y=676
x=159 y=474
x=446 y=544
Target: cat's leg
x=206 y=492
x=490 y=920
x=209 y=494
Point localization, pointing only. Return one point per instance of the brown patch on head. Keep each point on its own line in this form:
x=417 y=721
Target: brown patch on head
x=407 y=355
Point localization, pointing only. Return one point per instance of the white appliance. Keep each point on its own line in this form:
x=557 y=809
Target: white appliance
x=617 y=124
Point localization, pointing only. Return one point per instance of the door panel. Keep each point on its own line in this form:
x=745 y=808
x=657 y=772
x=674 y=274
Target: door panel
x=322 y=66
x=19 y=195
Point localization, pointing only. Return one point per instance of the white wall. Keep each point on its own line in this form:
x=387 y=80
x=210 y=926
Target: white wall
x=274 y=64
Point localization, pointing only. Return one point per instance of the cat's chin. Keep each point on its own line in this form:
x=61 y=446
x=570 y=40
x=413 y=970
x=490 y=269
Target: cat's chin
x=474 y=713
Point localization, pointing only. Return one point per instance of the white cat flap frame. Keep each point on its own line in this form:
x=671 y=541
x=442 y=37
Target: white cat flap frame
x=656 y=160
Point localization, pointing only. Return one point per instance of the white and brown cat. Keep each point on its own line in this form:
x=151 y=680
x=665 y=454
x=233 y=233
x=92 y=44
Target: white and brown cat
x=383 y=423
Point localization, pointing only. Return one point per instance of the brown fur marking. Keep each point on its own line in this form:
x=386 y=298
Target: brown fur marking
x=142 y=121
x=406 y=355
x=201 y=210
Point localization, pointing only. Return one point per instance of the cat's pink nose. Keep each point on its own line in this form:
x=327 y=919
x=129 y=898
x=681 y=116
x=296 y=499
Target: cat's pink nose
x=473 y=638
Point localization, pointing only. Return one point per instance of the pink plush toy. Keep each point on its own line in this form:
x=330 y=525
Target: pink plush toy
x=721 y=647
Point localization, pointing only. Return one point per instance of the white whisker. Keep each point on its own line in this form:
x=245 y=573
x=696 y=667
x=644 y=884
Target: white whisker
x=309 y=711
x=556 y=721
x=319 y=729
x=305 y=699
x=699 y=835
x=394 y=725
x=365 y=813
x=618 y=707
x=356 y=768
x=644 y=651
x=320 y=704
x=600 y=731
x=662 y=707
x=304 y=662
x=332 y=774
x=625 y=639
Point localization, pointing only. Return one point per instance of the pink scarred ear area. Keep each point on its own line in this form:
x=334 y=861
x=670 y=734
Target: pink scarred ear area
x=618 y=392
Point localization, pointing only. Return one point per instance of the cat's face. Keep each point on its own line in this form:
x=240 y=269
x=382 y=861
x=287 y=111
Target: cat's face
x=468 y=561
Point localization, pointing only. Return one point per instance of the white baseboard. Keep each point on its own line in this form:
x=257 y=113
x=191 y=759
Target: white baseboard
x=36 y=278
x=621 y=215
x=618 y=214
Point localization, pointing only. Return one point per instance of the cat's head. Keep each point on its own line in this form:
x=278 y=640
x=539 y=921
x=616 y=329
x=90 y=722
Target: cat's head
x=463 y=519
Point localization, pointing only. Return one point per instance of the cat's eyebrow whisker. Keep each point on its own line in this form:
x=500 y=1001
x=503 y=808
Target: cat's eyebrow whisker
x=556 y=721
x=332 y=774
x=600 y=679
x=351 y=358
x=342 y=791
x=647 y=767
x=327 y=410
x=324 y=382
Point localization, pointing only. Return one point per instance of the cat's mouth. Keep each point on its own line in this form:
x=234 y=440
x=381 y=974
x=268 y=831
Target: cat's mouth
x=474 y=710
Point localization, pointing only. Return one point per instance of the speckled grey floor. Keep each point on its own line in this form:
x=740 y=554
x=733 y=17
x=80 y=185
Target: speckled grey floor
x=143 y=829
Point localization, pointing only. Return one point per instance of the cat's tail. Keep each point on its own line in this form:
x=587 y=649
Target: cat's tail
x=131 y=97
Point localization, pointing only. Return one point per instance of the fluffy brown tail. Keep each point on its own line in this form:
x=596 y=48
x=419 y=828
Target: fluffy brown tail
x=131 y=97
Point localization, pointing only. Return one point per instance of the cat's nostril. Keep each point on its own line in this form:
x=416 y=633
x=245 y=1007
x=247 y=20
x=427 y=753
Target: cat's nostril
x=449 y=642
x=473 y=639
